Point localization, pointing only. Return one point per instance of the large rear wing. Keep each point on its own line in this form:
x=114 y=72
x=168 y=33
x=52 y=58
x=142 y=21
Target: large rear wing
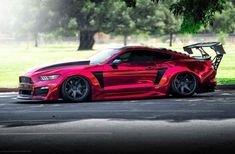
x=216 y=46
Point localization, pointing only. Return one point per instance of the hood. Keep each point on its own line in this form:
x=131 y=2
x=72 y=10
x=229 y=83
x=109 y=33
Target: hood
x=65 y=64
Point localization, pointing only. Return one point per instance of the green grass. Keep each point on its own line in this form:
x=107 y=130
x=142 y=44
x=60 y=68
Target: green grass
x=225 y=81
x=16 y=60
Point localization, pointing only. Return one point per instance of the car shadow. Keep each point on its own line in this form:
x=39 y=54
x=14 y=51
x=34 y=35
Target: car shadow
x=113 y=101
x=169 y=109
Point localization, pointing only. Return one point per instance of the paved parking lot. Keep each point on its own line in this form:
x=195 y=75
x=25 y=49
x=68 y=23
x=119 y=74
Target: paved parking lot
x=199 y=124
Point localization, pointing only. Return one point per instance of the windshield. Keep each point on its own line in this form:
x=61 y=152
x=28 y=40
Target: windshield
x=102 y=56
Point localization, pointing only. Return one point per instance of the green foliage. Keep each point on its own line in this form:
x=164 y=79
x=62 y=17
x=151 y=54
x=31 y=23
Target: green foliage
x=115 y=17
x=146 y=17
x=196 y=13
x=154 y=17
x=224 y=22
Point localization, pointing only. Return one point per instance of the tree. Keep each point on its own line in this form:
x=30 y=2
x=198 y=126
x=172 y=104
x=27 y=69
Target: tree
x=129 y=21
x=224 y=22
x=196 y=13
x=172 y=23
x=33 y=18
x=91 y=16
x=156 y=19
x=145 y=17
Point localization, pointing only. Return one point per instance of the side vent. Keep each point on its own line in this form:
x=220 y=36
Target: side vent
x=99 y=77
x=160 y=74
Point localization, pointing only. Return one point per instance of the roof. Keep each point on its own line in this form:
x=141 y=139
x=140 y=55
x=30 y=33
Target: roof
x=153 y=48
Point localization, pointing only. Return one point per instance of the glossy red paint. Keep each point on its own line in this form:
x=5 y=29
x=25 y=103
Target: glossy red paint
x=127 y=81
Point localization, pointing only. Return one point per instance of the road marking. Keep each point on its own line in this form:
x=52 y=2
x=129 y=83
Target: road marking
x=226 y=94
x=5 y=96
x=8 y=93
x=195 y=100
x=55 y=105
x=37 y=106
x=108 y=111
x=58 y=133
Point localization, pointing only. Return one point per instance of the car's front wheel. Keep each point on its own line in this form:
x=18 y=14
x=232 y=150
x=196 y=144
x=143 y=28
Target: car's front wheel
x=75 y=89
x=184 y=84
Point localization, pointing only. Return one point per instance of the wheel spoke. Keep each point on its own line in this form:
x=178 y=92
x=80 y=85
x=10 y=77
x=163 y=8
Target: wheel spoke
x=189 y=82
x=69 y=84
x=79 y=92
x=74 y=94
x=70 y=91
x=187 y=87
x=178 y=86
x=182 y=89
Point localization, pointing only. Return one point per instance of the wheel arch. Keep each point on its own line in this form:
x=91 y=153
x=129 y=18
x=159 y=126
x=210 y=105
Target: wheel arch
x=185 y=71
x=78 y=75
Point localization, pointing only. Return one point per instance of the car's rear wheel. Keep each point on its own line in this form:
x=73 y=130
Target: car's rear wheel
x=75 y=89
x=184 y=84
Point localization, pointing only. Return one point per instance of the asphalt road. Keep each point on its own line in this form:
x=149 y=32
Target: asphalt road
x=204 y=123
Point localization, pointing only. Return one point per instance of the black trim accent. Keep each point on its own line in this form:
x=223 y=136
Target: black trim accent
x=99 y=77
x=65 y=64
x=216 y=46
x=25 y=92
x=24 y=79
x=159 y=76
x=42 y=92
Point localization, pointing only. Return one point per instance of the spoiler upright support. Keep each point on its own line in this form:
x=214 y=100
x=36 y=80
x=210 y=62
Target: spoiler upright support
x=216 y=46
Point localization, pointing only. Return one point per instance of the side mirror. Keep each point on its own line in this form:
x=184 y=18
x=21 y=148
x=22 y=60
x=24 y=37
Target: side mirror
x=116 y=62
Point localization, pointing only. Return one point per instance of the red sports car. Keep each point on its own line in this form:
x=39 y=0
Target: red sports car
x=126 y=73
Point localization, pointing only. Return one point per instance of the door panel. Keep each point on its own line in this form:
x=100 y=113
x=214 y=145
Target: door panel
x=129 y=78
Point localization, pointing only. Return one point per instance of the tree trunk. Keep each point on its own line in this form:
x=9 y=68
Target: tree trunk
x=36 y=39
x=171 y=39
x=86 y=39
x=125 y=39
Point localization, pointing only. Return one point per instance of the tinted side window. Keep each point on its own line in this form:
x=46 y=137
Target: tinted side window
x=162 y=56
x=141 y=56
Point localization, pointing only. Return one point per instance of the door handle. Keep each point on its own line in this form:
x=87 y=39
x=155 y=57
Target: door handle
x=149 y=68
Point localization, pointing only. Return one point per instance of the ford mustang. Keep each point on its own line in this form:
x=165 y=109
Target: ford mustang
x=126 y=73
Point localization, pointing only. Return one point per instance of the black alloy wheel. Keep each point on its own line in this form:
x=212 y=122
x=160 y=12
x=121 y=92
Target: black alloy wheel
x=184 y=84
x=75 y=89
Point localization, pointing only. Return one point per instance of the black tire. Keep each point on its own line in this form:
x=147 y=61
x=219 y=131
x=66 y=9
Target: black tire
x=184 y=84
x=75 y=89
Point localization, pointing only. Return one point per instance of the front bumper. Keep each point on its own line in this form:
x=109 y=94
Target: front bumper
x=38 y=91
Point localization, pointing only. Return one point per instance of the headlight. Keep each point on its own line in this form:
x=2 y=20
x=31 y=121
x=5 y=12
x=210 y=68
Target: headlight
x=49 y=77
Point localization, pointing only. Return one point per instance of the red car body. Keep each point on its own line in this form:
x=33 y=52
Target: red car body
x=125 y=81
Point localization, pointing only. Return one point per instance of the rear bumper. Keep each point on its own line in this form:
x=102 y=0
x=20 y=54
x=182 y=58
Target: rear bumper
x=208 y=87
